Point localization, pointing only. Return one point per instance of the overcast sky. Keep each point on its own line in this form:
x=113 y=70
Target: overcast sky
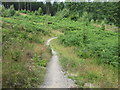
x=75 y=0
x=52 y=0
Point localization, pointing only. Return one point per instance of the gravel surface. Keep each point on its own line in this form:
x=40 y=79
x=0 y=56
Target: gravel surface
x=55 y=77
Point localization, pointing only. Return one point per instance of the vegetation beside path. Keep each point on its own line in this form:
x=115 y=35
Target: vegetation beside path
x=85 y=71
x=24 y=54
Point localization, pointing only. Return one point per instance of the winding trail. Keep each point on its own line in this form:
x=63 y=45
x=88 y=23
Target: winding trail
x=55 y=77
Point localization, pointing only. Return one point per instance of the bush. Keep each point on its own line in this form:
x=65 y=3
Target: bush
x=2 y=9
x=23 y=11
x=63 y=14
x=11 y=10
x=74 y=16
x=86 y=17
x=7 y=12
x=40 y=12
x=103 y=24
x=17 y=13
x=4 y=12
x=36 y=13
x=42 y=63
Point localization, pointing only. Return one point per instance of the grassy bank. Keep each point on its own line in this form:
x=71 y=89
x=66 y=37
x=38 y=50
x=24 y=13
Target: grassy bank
x=24 y=54
x=85 y=71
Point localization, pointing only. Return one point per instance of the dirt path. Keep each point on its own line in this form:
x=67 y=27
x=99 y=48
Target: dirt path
x=55 y=77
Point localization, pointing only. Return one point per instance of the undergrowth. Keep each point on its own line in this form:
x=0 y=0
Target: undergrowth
x=85 y=70
x=24 y=55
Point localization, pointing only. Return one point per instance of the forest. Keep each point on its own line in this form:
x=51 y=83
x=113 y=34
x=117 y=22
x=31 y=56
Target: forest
x=107 y=11
x=87 y=43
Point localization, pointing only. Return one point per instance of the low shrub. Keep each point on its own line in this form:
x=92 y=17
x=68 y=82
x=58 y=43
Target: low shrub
x=7 y=12
x=97 y=43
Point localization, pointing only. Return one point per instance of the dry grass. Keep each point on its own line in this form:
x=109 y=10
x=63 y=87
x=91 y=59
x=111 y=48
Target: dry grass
x=23 y=72
x=23 y=14
x=43 y=51
x=107 y=27
x=56 y=32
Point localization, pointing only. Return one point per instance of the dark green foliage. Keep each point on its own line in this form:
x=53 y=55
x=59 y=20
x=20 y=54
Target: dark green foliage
x=96 y=11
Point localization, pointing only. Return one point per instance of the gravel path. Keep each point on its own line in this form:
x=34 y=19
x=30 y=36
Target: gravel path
x=55 y=77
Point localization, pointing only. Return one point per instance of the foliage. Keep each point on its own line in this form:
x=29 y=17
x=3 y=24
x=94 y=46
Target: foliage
x=23 y=11
x=11 y=10
x=22 y=37
x=17 y=13
x=85 y=70
x=7 y=12
x=96 y=43
x=64 y=13
x=40 y=12
x=36 y=13
x=42 y=63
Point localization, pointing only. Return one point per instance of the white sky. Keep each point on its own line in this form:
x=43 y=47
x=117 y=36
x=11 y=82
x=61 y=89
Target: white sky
x=70 y=0
x=52 y=0
x=58 y=0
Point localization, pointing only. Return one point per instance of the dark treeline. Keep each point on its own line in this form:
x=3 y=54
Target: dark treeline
x=107 y=11
x=47 y=7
